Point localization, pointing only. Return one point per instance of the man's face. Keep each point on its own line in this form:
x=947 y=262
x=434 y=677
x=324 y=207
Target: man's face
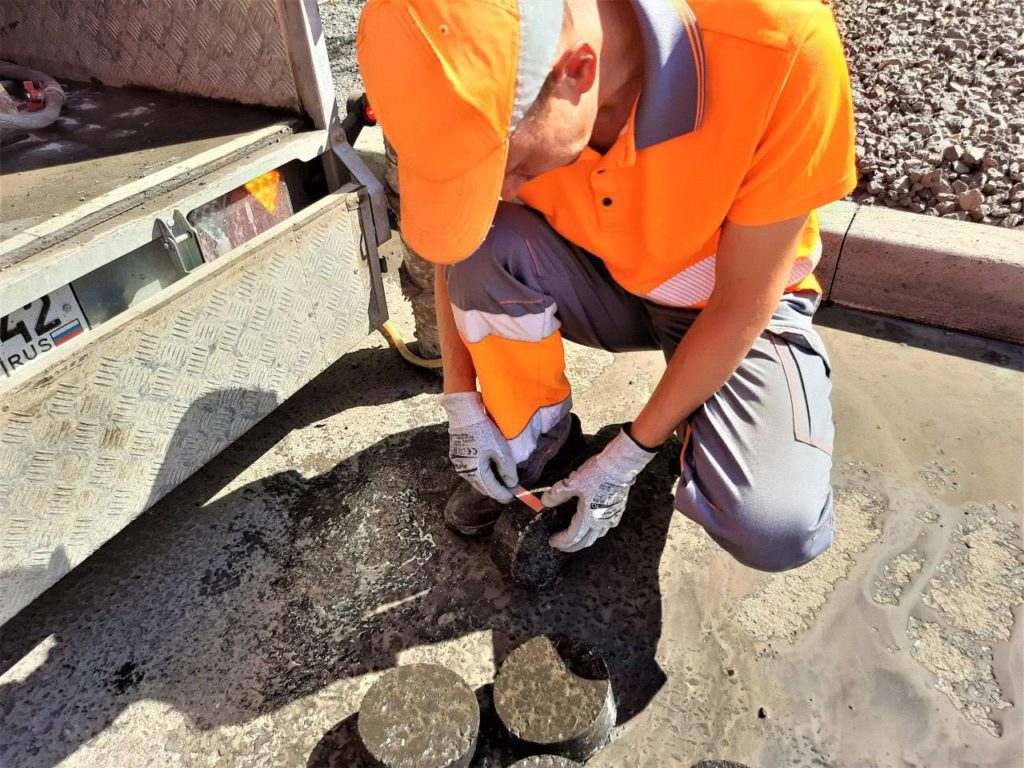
x=553 y=134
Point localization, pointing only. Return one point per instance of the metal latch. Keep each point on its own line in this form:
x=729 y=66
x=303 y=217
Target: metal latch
x=180 y=240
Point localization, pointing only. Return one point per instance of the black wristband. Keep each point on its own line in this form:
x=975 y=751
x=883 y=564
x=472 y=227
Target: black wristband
x=628 y=429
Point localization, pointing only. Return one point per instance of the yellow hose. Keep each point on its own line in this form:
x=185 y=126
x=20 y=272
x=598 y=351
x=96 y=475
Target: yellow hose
x=391 y=334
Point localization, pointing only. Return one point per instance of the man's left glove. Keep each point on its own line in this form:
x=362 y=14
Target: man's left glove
x=602 y=486
x=477 y=449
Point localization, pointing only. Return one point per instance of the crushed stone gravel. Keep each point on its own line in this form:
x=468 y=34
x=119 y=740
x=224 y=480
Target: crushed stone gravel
x=340 y=20
x=939 y=97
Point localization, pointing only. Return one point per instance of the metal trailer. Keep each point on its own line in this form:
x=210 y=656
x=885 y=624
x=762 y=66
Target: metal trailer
x=192 y=242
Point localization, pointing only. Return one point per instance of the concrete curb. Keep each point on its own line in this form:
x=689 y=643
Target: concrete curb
x=958 y=275
x=951 y=274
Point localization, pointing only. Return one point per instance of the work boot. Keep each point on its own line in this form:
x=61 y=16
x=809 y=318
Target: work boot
x=472 y=513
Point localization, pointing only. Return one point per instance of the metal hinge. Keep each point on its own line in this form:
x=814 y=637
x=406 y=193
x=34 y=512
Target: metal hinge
x=180 y=241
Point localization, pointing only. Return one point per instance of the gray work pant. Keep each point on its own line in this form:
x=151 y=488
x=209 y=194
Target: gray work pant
x=756 y=463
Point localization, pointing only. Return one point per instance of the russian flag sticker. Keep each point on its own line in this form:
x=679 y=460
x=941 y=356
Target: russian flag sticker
x=67 y=332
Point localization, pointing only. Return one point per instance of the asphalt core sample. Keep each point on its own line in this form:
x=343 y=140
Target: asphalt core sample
x=520 y=548
x=554 y=695
x=419 y=716
x=545 y=761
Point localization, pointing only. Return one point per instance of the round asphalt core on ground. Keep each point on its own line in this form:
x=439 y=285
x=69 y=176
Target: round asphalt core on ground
x=520 y=548
x=420 y=716
x=545 y=761
x=553 y=694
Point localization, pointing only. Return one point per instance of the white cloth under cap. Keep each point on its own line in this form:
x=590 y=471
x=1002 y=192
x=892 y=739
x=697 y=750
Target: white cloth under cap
x=540 y=27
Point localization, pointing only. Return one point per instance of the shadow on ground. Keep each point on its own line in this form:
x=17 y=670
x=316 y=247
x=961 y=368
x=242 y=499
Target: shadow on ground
x=231 y=606
x=974 y=348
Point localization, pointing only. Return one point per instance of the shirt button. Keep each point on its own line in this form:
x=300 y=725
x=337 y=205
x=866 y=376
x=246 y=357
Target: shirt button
x=607 y=202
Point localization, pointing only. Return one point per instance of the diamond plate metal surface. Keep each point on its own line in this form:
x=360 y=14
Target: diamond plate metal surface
x=234 y=50
x=93 y=443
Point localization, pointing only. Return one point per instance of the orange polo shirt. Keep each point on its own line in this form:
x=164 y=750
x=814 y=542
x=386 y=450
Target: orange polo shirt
x=745 y=115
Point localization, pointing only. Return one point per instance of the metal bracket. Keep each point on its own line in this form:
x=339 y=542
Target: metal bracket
x=342 y=134
x=374 y=186
x=374 y=218
x=181 y=242
x=378 y=303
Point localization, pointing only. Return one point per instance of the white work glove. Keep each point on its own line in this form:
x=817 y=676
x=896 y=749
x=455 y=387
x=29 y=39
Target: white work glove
x=602 y=486
x=477 y=448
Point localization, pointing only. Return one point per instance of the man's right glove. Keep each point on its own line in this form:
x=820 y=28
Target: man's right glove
x=477 y=449
x=601 y=486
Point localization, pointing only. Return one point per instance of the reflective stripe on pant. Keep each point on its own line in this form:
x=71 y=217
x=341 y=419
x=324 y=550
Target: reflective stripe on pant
x=756 y=464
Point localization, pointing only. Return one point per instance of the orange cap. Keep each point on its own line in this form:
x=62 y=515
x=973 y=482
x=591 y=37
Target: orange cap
x=448 y=80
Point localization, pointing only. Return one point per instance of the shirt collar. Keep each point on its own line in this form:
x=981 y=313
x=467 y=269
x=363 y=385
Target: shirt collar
x=674 y=95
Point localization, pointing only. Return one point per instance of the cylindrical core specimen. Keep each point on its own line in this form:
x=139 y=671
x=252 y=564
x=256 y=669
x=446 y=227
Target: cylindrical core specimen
x=520 y=549
x=419 y=716
x=553 y=694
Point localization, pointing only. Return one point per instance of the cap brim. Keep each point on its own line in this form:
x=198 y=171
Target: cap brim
x=445 y=222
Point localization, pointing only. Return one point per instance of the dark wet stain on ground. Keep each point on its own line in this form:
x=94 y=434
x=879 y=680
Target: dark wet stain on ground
x=127 y=677
x=315 y=580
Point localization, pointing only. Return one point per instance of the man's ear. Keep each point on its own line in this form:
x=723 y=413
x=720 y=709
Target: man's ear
x=577 y=69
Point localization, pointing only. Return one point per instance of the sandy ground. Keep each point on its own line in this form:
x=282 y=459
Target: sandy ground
x=242 y=619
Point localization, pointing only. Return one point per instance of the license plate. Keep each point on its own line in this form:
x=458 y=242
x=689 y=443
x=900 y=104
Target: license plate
x=38 y=328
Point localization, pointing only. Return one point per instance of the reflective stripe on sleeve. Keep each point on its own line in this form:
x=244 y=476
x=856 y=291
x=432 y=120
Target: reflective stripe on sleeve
x=694 y=285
